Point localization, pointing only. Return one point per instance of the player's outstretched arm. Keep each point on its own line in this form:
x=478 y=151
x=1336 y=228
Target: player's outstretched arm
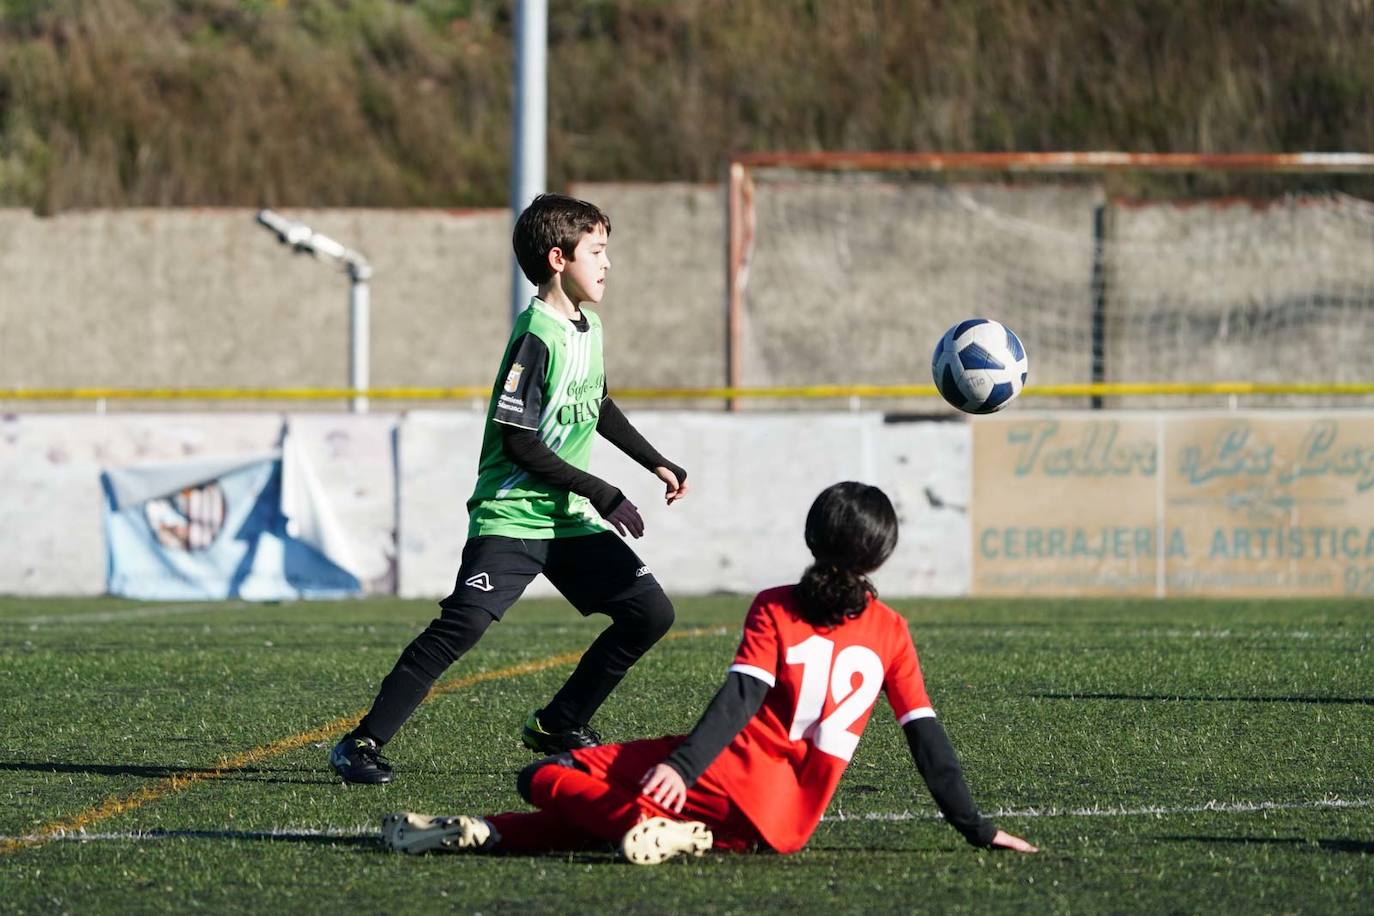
x=728 y=712
x=939 y=767
x=616 y=429
x=525 y=450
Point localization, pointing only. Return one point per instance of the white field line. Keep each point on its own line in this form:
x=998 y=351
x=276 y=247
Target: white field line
x=1050 y=633
x=369 y=832
x=1144 y=811
x=275 y=833
x=133 y=613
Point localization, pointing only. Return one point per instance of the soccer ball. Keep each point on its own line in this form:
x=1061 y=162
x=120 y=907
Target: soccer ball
x=979 y=366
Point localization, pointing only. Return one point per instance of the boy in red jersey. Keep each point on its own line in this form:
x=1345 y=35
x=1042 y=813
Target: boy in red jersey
x=762 y=764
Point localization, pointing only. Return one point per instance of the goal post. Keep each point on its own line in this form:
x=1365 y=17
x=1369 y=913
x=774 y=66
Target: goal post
x=1197 y=278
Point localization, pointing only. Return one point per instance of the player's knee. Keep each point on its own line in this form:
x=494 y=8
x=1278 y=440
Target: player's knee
x=654 y=614
x=524 y=780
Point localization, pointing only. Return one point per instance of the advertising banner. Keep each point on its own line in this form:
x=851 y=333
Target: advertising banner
x=1271 y=505
x=1065 y=504
x=1257 y=504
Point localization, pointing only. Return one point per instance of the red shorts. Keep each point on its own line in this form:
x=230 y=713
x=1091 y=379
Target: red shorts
x=624 y=765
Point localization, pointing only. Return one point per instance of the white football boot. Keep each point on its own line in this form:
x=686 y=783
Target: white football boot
x=417 y=833
x=659 y=839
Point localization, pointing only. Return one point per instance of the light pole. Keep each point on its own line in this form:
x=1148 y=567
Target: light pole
x=528 y=152
x=302 y=238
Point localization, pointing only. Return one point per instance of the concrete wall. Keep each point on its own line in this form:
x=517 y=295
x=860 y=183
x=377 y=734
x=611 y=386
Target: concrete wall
x=665 y=300
x=1239 y=291
x=849 y=282
x=205 y=298
x=854 y=283
x=197 y=298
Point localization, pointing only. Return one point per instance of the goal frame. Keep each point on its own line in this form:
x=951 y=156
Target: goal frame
x=740 y=222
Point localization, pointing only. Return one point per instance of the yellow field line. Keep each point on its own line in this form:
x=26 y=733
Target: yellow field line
x=805 y=392
x=172 y=785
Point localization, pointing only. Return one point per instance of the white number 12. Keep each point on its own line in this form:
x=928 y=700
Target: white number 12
x=832 y=734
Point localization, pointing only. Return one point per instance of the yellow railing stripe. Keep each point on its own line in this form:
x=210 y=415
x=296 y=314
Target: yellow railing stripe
x=804 y=392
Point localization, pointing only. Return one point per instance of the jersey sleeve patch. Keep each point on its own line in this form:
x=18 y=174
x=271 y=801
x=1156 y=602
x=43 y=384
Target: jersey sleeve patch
x=520 y=398
x=756 y=673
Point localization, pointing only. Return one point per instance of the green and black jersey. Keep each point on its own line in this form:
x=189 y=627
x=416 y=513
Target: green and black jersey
x=552 y=380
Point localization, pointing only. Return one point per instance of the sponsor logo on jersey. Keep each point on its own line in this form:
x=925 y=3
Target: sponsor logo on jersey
x=642 y=571
x=582 y=412
x=587 y=395
x=190 y=520
x=513 y=377
x=481 y=582
x=588 y=387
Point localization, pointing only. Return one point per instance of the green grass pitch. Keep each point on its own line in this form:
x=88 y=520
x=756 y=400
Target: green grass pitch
x=1167 y=757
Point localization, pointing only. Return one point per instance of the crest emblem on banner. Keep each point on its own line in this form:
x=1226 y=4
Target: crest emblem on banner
x=513 y=378
x=190 y=520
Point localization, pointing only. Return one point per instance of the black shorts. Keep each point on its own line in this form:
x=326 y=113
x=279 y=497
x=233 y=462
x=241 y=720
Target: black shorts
x=590 y=571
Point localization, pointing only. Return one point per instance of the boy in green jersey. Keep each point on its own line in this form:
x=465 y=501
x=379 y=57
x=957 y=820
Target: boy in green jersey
x=536 y=509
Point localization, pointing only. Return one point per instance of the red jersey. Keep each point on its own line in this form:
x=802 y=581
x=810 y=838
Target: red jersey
x=782 y=768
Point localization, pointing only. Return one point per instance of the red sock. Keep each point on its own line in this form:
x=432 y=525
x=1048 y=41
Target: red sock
x=539 y=831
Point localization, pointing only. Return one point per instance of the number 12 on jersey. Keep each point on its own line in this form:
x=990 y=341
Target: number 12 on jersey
x=825 y=672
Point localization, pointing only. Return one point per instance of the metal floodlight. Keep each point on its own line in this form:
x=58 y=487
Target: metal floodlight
x=304 y=240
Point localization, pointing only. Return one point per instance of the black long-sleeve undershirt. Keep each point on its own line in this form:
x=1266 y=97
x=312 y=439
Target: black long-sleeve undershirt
x=939 y=767
x=740 y=697
x=616 y=429
x=726 y=715
x=525 y=450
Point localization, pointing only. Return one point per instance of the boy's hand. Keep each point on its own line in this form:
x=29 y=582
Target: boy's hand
x=1004 y=840
x=626 y=519
x=675 y=490
x=664 y=785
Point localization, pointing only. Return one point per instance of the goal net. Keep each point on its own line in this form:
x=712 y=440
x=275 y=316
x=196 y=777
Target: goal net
x=1183 y=271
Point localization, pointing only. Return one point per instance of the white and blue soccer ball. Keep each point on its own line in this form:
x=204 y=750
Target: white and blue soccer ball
x=979 y=366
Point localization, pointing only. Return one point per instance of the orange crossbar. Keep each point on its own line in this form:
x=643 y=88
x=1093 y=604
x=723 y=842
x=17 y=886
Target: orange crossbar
x=1102 y=161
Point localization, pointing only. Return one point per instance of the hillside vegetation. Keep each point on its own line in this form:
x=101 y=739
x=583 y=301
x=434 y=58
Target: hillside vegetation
x=373 y=103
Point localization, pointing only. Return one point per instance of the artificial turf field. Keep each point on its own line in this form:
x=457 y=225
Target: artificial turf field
x=1166 y=757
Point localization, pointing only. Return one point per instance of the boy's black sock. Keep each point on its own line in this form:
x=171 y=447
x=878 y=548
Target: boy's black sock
x=639 y=622
x=401 y=692
x=431 y=653
x=361 y=731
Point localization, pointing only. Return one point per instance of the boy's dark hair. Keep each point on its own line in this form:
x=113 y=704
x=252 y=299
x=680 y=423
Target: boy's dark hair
x=851 y=531
x=552 y=221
